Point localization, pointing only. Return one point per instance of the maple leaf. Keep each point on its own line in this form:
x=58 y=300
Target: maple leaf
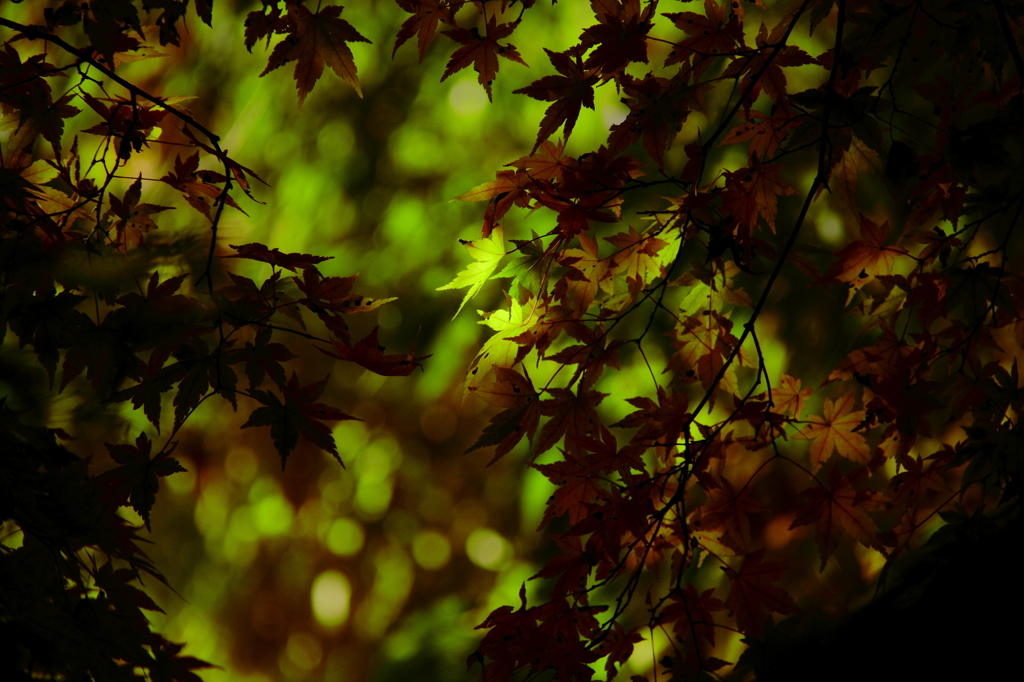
x=263 y=23
x=128 y=121
x=866 y=257
x=570 y=91
x=703 y=346
x=133 y=218
x=729 y=509
x=618 y=645
x=841 y=504
x=755 y=592
x=550 y=164
x=752 y=194
x=692 y=621
x=573 y=415
x=503 y=348
x=590 y=358
x=368 y=353
x=159 y=319
x=425 y=15
x=298 y=414
x=199 y=370
x=837 y=432
x=263 y=358
x=709 y=35
x=589 y=273
x=577 y=485
x=765 y=133
x=658 y=107
x=153 y=381
x=658 y=423
x=604 y=455
x=170 y=666
x=274 y=257
x=767 y=65
x=487 y=253
x=637 y=255
x=515 y=392
x=239 y=172
x=244 y=302
x=135 y=481
x=789 y=398
x=620 y=35
x=198 y=187
x=329 y=295
x=482 y=51
x=126 y=599
x=315 y=40
x=511 y=188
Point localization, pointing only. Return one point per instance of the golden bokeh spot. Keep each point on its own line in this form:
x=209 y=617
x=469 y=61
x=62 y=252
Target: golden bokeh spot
x=331 y=597
x=487 y=549
x=344 y=537
x=431 y=550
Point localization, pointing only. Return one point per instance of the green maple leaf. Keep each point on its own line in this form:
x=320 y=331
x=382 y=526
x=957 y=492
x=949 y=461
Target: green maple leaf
x=487 y=252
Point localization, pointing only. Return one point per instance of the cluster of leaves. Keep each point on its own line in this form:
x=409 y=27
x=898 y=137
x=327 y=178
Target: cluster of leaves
x=904 y=125
x=114 y=311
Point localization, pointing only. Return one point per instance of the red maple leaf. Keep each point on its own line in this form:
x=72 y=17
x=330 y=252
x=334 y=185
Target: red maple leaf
x=577 y=485
x=570 y=91
x=263 y=358
x=521 y=416
x=751 y=194
x=840 y=505
x=689 y=612
x=482 y=51
x=315 y=40
x=729 y=510
x=789 y=398
x=756 y=592
x=135 y=481
x=368 y=353
x=133 y=218
x=298 y=414
x=170 y=666
x=765 y=133
x=573 y=415
x=198 y=187
x=274 y=257
x=239 y=172
x=199 y=370
x=763 y=69
x=709 y=35
x=658 y=108
x=620 y=37
x=617 y=644
x=425 y=15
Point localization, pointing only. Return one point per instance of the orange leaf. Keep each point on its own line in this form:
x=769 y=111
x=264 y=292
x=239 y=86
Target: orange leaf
x=837 y=432
x=867 y=257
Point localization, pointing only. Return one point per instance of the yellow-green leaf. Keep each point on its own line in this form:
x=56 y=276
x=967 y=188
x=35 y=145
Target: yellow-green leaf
x=487 y=253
